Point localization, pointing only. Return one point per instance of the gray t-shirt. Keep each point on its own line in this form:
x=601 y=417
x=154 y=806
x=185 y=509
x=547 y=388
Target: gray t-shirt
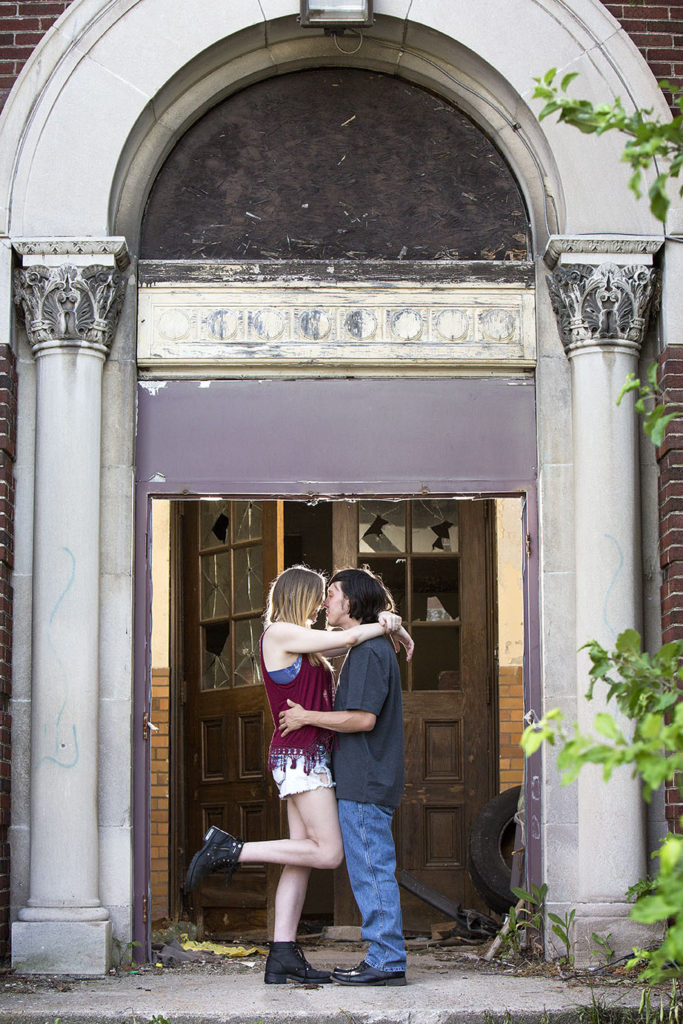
x=368 y=766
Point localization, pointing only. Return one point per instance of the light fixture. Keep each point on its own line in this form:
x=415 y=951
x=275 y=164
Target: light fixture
x=336 y=15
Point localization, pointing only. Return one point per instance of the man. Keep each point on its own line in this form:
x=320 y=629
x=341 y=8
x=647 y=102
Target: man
x=368 y=771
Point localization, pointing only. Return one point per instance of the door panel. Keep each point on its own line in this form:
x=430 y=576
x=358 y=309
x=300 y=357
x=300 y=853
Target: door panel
x=230 y=553
x=434 y=556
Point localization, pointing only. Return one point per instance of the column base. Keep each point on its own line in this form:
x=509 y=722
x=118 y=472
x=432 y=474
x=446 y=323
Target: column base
x=613 y=920
x=61 y=947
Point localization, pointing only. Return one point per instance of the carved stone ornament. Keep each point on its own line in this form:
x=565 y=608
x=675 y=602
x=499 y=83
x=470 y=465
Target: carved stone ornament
x=69 y=305
x=606 y=302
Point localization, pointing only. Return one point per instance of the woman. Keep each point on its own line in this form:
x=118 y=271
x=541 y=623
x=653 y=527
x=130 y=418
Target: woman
x=293 y=660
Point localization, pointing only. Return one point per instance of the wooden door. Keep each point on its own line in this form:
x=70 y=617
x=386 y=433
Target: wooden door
x=231 y=550
x=435 y=557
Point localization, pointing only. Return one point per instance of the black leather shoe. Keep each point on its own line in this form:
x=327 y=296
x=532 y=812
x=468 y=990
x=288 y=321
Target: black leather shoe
x=286 y=962
x=220 y=850
x=364 y=974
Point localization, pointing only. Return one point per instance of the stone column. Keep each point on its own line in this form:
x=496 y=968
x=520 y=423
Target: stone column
x=70 y=301
x=602 y=312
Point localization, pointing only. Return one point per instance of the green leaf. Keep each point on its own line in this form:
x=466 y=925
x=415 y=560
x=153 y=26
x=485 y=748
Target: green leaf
x=659 y=200
x=568 y=79
x=605 y=725
x=656 y=422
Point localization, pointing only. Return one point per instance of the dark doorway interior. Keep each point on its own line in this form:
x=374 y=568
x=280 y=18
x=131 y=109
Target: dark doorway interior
x=437 y=555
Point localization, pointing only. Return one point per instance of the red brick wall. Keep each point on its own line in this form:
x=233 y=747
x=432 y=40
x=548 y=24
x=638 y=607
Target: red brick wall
x=657 y=31
x=670 y=457
x=511 y=724
x=160 y=794
x=8 y=411
x=22 y=25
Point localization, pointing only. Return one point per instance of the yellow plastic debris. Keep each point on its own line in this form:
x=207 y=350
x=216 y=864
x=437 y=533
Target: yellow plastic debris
x=221 y=948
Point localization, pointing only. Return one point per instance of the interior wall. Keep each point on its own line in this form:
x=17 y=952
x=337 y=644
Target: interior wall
x=160 y=712
x=510 y=641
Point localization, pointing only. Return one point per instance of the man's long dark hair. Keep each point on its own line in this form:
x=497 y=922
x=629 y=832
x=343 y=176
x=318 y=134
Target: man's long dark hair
x=366 y=593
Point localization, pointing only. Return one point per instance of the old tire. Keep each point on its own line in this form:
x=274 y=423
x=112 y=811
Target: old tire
x=490 y=850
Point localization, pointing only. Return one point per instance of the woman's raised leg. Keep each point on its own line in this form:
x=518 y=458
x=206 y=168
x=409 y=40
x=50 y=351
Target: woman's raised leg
x=320 y=845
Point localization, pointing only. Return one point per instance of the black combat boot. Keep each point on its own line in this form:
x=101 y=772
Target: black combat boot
x=286 y=962
x=220 y=850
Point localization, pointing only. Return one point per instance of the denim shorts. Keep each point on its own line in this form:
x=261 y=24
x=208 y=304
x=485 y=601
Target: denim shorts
x=293 y=780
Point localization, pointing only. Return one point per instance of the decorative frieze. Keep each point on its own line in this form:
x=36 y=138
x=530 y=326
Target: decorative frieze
x=69 y=305
x=607 y=302
x=224 y=325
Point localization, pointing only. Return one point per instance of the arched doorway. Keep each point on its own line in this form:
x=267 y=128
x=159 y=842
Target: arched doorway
x=321 y=224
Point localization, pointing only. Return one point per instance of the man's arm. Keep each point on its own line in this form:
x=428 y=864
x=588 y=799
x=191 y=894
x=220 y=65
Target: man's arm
x=296 y=716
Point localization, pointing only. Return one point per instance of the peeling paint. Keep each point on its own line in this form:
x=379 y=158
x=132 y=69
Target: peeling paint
x=152 y=386
x=157 y=478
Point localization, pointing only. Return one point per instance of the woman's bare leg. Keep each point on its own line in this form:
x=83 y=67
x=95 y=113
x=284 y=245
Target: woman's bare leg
x=293 y=884
x=319 y=845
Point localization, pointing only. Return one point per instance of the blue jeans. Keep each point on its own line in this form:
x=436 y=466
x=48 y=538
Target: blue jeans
x=371 y=864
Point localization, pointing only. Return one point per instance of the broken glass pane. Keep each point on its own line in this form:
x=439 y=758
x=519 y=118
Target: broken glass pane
x=381 y=526
x=247 y=658
x=248 y=519
x=435 y=525
x=216 y=656
x=393 y=573
x=436 y=662
x=436 y=596
x=215 y=523
x=248 y=579
x=215 y=585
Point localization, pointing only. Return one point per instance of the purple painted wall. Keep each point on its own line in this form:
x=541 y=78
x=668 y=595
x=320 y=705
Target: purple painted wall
x=295 y=437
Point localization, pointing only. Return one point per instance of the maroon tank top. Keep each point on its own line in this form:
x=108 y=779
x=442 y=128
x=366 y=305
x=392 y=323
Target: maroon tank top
x=313 y=688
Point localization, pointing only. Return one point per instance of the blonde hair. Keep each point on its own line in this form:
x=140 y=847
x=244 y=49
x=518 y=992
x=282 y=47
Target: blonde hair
x=295 y=596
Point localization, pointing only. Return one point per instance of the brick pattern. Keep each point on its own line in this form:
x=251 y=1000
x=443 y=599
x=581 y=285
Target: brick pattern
x=23 y=23
x=511 y=723
x=8 y=418
x=670 y=456
x=674 y=804
x=160 y=809
x=657 y=31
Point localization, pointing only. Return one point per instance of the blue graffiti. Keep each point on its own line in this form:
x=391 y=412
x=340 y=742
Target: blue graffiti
x=613 y=581
x=55 y=758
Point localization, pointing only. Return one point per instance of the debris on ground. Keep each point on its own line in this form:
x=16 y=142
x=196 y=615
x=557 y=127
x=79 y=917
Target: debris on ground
x=185 y=950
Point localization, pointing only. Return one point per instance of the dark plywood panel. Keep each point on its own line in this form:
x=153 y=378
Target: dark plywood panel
x=335 y=164
x=213 y=746
x=251 y=741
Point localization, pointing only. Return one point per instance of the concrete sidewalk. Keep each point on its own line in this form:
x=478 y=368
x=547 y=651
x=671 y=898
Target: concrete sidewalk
x=445 y=986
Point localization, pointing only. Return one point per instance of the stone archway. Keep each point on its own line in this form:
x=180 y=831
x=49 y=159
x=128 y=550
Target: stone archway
x=71 y=188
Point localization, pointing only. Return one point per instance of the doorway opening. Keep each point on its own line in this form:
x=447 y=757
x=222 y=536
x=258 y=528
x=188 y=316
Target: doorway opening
x=454 y=567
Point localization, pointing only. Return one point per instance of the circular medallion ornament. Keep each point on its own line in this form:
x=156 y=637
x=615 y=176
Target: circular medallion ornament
x=174 y=325
x=269 y=324
x=222 y=324
x=453 y=325
x=406 y=324
x=314 y=324
x=497 y=325
x=361 y=324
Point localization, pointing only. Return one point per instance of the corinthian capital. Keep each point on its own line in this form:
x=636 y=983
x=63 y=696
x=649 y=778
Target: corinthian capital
x=69 y=305
x=609 y=303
